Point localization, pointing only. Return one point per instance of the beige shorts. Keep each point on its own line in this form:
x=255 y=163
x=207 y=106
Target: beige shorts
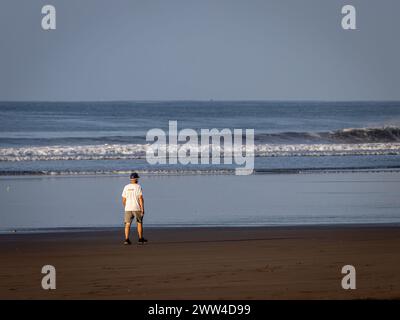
x=129 y=215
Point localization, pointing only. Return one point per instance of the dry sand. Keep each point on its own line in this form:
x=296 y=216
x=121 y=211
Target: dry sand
x=205 y=263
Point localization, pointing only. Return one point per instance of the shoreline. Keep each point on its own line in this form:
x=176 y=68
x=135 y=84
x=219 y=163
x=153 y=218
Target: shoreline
x=72 y=230
x=205 y=263
x=184 y=201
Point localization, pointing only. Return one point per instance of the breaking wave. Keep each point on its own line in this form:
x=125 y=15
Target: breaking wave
x=351 y=135
x=138 y=151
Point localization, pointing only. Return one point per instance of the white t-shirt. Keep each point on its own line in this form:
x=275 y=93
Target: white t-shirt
x=132 y=192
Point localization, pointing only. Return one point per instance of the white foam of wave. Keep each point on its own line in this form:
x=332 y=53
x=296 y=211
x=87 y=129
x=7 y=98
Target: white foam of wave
x=156 y=172
x=327 y=149
x=138 y=151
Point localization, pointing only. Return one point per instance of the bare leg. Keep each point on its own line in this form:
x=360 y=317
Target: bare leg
x=140 y=230
x=127 y=229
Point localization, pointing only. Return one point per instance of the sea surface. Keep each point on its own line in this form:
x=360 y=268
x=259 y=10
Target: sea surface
x=110 y=137
x=64 y=165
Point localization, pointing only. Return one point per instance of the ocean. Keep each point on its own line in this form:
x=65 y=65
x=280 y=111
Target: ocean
x=64 y=165
x=109 y=137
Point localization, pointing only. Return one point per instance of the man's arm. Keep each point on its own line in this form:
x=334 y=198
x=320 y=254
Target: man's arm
x=123 y=201
x=141 y=203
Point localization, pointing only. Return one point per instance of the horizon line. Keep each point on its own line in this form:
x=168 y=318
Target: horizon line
x=198 y=100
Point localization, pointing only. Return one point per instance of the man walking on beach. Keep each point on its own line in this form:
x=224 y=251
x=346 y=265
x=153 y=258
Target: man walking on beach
x=133 y=202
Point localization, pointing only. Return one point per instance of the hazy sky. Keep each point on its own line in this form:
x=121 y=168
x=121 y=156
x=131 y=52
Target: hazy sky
x=202 y=49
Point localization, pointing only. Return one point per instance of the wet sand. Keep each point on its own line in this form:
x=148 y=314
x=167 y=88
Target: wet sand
x=203 y=200
x=205 y=263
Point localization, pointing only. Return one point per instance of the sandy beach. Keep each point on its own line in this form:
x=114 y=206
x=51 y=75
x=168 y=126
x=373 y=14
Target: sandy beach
x=205 y=263
x=314 y=224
